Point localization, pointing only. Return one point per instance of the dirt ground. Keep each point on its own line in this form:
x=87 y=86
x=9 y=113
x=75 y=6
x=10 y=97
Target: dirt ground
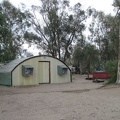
x=80 y=100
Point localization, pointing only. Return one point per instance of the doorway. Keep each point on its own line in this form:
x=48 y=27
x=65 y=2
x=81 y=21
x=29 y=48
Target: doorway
x=44 y=67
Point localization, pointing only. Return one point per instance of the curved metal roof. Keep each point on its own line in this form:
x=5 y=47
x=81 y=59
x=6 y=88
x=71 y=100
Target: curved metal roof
x=11 y=65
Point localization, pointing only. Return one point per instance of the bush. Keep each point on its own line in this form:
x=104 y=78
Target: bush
x=111 y=68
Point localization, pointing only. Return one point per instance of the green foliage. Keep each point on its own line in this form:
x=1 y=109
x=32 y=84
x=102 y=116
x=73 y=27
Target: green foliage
x=12 y=29
x=105 y=33
x=111 y=80
x=111 y=68
x=7 y=51
x=116 y=4
x=85 y=56
x=61 y=26
x=30 y=37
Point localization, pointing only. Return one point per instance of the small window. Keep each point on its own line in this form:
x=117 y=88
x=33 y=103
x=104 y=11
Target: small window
x=27 y=70
x=62 y=69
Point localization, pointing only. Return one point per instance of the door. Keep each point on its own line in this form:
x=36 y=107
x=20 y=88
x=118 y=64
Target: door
x=44 y=71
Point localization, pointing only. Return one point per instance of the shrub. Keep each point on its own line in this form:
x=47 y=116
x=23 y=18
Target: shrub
x=111 y=68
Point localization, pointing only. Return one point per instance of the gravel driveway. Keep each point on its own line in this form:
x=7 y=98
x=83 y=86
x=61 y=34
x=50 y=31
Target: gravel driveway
x=80 y=100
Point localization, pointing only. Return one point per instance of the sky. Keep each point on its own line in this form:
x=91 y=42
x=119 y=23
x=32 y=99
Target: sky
x=101 y=5
x=104 y=5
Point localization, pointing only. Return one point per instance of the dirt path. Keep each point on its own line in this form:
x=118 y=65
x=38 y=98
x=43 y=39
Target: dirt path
x=79 y=100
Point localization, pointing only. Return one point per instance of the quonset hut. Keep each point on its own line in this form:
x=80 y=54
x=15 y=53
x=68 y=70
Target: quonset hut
x=35 y=70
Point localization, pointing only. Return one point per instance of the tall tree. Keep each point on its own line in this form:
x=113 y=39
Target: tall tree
x=78 y=55
x=12 y=28
x=116 y=4
x=58 y=28
x=86 y=56
x=91 y=57
x=5 y=40
x=104 y=32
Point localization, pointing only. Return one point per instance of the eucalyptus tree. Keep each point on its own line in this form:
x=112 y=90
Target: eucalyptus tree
x=57 y=26
x=91 y=57
x=5 y=41
x=13 y=25
x=87 y=57
x=78 y=55
x=116 y=4
x=104 y=32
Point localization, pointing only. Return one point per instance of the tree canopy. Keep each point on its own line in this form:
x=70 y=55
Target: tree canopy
x=12 y=29
x=61 y=25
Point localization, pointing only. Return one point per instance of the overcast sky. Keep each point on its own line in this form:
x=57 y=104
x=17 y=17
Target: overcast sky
x=103 y=5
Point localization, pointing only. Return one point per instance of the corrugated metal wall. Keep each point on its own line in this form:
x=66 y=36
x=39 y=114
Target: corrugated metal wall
x=5 y=79
x=38 y=63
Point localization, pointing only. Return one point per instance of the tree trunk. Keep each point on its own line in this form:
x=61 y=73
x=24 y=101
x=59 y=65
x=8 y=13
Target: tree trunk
x=118 y=74
x=80 y=68
x=88 y=70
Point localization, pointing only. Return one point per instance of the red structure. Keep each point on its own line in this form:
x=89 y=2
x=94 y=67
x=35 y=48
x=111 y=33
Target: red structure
x=100 y=75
